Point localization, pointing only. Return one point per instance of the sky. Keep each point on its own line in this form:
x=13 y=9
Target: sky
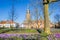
x=20 y=9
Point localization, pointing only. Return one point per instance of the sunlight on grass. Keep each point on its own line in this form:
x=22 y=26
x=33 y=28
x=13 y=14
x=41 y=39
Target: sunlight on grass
x=23 y=31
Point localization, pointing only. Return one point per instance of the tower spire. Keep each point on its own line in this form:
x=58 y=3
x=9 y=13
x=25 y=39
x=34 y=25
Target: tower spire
x=28 y=10
x=28 y=13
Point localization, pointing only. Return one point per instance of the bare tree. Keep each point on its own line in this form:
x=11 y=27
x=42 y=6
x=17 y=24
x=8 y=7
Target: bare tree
x=36 y=5
x=46 y=13
x=57 y=18
x=13 y=15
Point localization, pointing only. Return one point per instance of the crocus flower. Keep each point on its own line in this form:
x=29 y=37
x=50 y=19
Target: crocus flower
x=57 y=35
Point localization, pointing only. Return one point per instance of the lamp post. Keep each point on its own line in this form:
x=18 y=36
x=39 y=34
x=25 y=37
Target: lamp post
x=46 y=15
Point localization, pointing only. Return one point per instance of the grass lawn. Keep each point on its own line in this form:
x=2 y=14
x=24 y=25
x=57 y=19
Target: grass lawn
x=23 y=31
x=53 y=30
x=4 y=30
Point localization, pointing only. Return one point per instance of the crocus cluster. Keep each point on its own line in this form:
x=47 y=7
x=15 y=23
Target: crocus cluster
x=50 y=37
x=57 y=35
x=19 y=36
x=12 y=35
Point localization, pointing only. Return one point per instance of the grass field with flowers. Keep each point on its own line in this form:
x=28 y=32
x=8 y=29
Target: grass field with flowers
x=17 y=34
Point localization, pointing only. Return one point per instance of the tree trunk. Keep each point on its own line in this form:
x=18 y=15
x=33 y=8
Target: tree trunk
x=46 y=19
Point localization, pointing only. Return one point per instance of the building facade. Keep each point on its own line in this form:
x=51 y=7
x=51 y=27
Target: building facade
x=28 y=23
x=7 y=24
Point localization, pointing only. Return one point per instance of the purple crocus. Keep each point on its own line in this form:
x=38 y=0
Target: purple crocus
x=57 y=35
x=12 y=35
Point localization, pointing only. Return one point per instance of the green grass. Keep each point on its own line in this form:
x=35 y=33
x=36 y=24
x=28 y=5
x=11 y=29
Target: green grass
x=43 y=34
x=55 y=30
x=4 y=30
x=23 y=31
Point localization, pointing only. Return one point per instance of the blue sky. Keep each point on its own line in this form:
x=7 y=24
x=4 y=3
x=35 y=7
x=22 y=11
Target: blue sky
x=20 y=9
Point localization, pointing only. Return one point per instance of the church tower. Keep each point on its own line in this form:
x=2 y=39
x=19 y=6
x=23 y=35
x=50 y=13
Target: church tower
x=28 y=16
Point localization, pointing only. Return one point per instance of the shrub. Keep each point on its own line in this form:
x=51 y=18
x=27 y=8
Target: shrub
x=3 y=27
x=11 y=27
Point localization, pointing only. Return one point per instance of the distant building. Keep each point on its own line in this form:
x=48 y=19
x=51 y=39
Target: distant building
x=7 y=24
x=28 y=23
x=57 y=25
